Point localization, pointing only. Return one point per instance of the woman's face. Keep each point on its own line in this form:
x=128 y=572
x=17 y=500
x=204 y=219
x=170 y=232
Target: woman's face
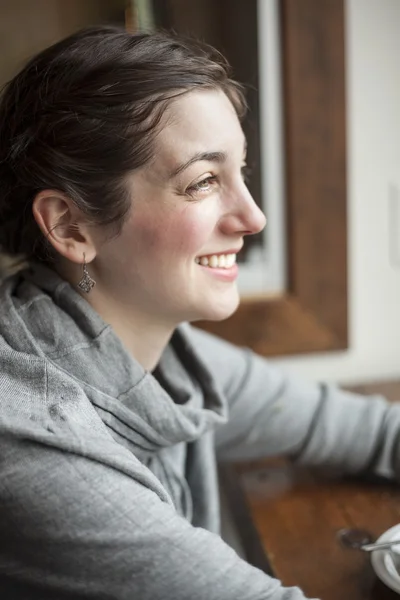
x=189 y=203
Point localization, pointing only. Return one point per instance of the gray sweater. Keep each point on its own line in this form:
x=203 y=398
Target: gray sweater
x=108 y=485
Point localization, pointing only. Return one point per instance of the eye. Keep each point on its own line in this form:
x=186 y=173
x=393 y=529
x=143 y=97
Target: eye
x=205 y=185
x=246 y=172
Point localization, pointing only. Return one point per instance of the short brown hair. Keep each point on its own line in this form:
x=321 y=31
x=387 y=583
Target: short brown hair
x=83 y=113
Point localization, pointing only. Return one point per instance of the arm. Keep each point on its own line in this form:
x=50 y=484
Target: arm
x=272 y=413
x=72 y=527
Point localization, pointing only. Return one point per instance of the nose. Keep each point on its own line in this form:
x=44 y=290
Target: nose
x=243 y=216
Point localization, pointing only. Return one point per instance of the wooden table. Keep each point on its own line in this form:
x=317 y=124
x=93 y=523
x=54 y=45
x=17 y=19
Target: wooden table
x=288 y=519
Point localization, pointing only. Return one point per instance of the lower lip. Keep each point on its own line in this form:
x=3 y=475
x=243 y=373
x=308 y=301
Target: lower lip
x=224 y=274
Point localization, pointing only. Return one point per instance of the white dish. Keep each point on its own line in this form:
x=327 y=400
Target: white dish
x=382 y=562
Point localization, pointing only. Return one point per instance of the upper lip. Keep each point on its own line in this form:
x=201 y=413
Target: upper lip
x=232 y=251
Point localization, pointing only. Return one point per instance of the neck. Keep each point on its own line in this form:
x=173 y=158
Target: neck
x=143 y=337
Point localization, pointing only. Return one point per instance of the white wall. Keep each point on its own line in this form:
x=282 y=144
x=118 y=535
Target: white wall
x=373 y=124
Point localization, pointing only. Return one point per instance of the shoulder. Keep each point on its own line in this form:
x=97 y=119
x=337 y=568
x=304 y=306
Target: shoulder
x=36 y=396
x=221 y=357
x=207 y=344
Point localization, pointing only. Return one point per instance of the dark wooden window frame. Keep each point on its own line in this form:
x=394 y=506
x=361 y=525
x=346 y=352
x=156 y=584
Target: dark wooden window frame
x=312 y=315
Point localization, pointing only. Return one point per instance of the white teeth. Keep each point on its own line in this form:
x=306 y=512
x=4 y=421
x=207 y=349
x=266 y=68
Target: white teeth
x=221 y=261
x=230 y=260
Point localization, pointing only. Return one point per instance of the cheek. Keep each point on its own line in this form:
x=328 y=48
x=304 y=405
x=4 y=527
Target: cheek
x=178 y=233
x=190 y=233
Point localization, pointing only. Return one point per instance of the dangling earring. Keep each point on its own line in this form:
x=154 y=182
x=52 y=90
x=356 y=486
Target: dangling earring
x=86 y=283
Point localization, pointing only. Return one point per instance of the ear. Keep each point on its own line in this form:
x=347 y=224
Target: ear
x=62 y=223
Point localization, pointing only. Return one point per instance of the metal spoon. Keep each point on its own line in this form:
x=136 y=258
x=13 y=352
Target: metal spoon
x=359 y=539
x=380 y=546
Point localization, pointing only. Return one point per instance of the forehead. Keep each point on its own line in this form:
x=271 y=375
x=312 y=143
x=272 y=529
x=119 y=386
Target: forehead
x=198 y=121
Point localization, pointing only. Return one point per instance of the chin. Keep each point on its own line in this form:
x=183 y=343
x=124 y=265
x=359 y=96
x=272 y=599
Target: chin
x=221 y=310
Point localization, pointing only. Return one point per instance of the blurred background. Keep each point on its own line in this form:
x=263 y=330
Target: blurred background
x=248 y=33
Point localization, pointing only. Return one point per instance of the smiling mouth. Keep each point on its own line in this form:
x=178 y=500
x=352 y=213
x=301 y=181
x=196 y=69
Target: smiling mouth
x=217 y=261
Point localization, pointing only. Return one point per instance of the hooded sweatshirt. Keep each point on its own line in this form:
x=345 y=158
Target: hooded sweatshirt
x=108 y=481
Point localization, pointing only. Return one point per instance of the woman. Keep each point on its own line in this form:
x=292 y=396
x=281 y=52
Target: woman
x=121 y=170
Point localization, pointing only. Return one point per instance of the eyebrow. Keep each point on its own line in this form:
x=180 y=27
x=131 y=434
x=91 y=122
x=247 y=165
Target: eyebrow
x=218 y=157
